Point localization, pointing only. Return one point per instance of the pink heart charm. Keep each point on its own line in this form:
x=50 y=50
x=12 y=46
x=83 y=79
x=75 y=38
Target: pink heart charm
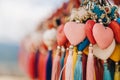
x=75 y=32
x=103 y=36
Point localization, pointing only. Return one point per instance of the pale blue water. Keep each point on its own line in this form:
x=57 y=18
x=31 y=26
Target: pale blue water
x=9 y=59
x=8 y=52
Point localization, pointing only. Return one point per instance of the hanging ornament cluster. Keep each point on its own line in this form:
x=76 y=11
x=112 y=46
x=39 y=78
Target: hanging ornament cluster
x=86 y=47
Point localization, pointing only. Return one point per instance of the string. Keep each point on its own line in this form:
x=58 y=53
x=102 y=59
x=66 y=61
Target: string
x=62 y=72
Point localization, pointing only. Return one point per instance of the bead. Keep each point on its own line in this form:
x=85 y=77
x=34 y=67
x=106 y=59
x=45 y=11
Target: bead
x=58 y=47
x=71 y=47
x=79 y=52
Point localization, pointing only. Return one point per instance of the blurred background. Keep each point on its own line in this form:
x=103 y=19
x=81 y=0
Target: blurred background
x=19 y=18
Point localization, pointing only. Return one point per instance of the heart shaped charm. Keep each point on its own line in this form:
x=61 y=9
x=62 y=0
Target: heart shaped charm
x=116 y=54
x=103 y=36
x=116 y=30
x=104 y=54
x=61 y=38
x=75 y=32
x=88 y=30
x=83 y=45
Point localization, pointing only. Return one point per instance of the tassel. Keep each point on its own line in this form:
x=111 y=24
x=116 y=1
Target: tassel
x=101 y=69
x=107 y=75
x=84 y=65
x=97 y=73
x=31 y=61
x=117 y=72
x=62 y=59
x=49 y=65
x=90 y=65
x=68 y=69
x=36 y=63
x=98 y=69
x=74 y=60
x=65 y=60
x=42 y=66
x=111 y=68
x=78 y=67
x=56 y=66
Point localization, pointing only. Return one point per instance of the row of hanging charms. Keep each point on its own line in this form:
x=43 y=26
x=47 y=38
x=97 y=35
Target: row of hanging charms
x=86 y=22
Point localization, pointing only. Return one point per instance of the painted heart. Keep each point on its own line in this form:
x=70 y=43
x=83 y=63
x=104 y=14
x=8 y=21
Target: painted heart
x=104 y=54
x=83 y=45
x=61 y=38
x=75 y=32
x=116 y=30
x=88 y=30
x=116 y=54
x=103 y=36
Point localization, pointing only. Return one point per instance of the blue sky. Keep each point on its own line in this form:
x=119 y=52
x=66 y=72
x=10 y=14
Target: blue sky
x=19 y=17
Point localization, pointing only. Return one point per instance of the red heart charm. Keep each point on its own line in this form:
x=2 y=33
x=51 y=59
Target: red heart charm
x=88 y=30
x=116 y=30
x=61 y=38
x=75 y=32
x=103 y=36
